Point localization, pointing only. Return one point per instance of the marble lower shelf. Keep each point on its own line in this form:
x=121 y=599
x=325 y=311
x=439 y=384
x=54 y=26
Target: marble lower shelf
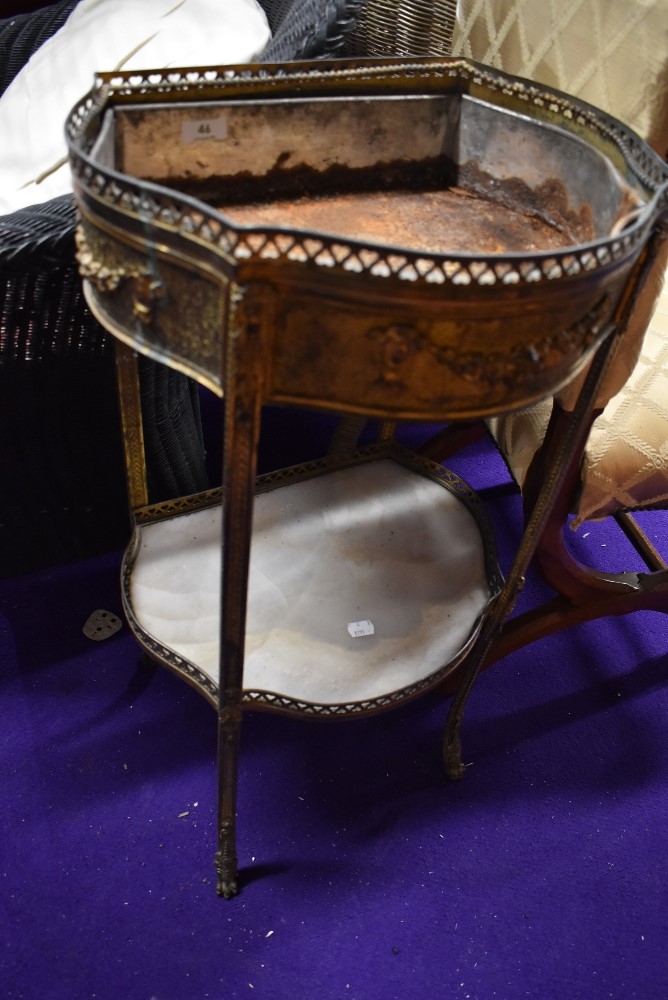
x=401 y=544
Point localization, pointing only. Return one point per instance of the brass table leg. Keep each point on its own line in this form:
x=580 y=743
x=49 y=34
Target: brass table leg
x=242 y=428
x=229 y=732
x=569 y=448
x=564 y=455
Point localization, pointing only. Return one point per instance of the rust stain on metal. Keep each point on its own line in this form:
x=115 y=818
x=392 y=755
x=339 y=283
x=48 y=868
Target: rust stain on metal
x=547 y=202
x=453 y=220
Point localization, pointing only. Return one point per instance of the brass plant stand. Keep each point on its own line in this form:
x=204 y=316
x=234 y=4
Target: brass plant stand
x=399 y=239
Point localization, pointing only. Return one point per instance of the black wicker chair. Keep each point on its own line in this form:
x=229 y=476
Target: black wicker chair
x=62 y=496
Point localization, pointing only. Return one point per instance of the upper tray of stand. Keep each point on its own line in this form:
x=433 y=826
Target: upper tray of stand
x=437 y=178
x=268 y=145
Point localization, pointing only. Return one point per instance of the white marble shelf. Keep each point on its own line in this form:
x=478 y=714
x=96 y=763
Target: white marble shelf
x=377 y=542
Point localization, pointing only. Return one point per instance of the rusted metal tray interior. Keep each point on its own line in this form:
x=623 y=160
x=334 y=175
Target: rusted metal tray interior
x=447 y=173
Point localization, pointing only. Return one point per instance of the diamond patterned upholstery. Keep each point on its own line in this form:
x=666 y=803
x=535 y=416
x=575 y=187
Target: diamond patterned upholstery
x=592 y=49
x=614 y=54
x=626 y=462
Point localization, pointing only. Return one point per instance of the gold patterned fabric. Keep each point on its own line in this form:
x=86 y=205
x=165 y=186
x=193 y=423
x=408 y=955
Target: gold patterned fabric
x=626 y=461
x=614 y=54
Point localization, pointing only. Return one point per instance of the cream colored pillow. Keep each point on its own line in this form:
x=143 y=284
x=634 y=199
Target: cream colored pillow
x=105 y=35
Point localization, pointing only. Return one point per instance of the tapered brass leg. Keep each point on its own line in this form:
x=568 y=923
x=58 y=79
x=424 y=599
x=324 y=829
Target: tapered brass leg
x=243 y=398
x=568 y=450
x=229 y=731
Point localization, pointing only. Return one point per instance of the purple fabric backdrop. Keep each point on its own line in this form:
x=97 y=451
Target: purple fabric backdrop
x=366 y=875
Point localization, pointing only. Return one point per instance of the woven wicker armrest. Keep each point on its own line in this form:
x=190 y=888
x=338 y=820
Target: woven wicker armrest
x=23 y=34
x=63 y=493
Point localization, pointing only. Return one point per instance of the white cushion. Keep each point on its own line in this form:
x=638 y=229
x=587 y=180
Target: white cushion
x=104 y=35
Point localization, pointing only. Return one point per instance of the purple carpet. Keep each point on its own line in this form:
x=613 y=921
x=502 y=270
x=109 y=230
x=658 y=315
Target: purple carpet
x=366 y=876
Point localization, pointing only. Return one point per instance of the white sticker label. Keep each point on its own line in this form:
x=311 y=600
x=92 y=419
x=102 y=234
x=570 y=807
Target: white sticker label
x=357 y=629
x=207 y=128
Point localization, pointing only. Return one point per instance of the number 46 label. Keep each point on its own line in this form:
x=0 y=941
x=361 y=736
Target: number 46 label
x=205 y=128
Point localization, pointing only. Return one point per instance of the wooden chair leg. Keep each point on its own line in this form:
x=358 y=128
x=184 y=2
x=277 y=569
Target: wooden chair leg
x=453 y=438
x=581 y=592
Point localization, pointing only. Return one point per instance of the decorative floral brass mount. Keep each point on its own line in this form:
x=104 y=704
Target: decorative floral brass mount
x=147 y=292
x=104 y=277
x=399 y=342
x=148 y=289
